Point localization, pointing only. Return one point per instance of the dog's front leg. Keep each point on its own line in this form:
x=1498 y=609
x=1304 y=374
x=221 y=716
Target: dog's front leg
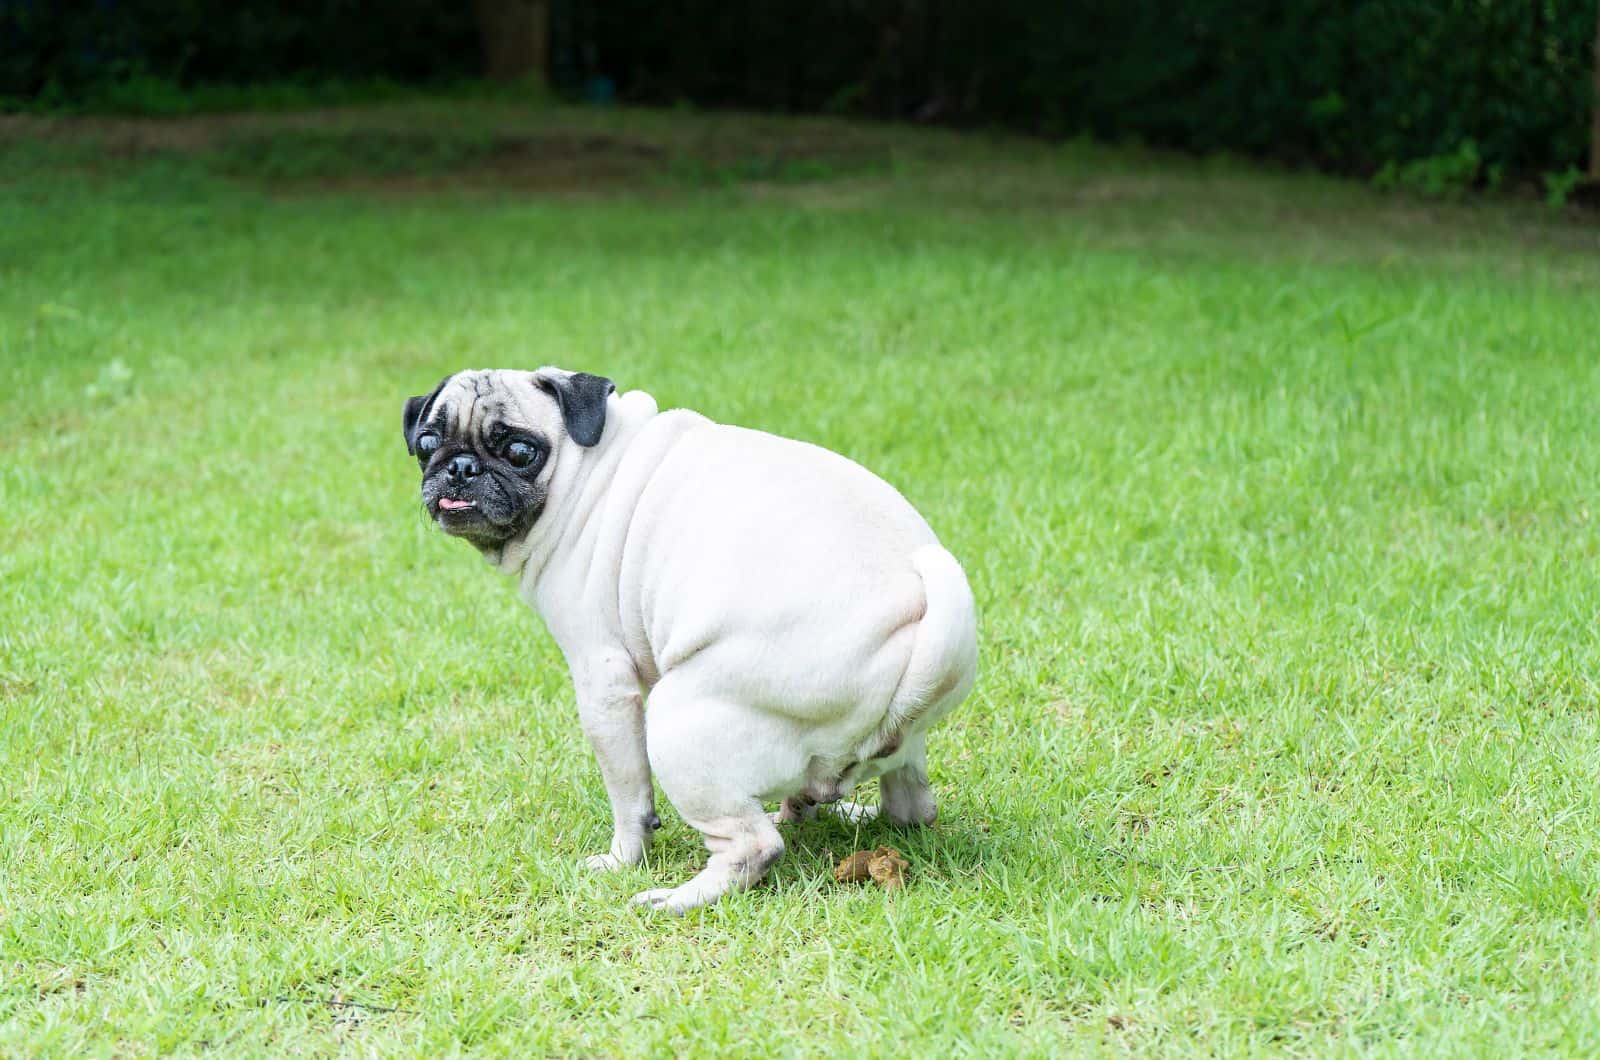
x=611 y=710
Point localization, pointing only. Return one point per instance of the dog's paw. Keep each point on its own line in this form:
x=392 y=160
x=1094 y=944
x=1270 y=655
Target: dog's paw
x=853 y=812
x=656 y=899
x=607 y=863
x=674 y=900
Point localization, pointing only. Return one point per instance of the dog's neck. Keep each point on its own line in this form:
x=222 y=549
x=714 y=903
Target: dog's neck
x=576 y=487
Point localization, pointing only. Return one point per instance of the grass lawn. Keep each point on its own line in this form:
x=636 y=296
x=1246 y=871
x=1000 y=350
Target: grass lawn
x=1278 y=496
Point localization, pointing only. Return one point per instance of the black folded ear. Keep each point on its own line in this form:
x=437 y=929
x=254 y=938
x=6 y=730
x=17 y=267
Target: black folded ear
x=582 y=398
x=416 y=414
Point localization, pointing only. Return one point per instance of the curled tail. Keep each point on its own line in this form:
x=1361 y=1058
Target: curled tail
x=944 y=656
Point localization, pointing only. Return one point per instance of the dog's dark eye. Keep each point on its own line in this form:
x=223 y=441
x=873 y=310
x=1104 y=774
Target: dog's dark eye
x=521 y=454
x=427 y=445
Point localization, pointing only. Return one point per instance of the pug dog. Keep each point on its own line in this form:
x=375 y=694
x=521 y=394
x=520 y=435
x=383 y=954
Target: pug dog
x=748 y=619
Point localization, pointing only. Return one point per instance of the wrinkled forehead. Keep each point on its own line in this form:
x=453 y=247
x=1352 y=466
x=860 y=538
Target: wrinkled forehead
x=472 y=402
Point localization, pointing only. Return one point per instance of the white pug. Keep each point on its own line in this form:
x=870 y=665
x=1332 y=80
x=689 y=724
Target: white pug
x=746 y=617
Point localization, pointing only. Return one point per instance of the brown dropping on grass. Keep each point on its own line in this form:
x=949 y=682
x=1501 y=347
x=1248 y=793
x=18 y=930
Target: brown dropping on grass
x=854 y=868
x=884 y=866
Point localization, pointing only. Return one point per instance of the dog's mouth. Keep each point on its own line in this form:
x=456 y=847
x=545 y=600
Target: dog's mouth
x=484 y=511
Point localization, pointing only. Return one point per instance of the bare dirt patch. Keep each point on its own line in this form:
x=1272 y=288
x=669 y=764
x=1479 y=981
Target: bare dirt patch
x=403 y=151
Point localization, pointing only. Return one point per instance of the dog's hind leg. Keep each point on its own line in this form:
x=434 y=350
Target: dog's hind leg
x=939 y=674
x=743 y=845
x=713 y=761
x=904 y=791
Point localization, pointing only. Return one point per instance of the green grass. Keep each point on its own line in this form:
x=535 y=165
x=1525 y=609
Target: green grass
x=1278 y=496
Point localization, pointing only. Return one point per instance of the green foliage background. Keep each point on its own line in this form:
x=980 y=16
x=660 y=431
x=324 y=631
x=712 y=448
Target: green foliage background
x=1349 y=86
x=1345 y=85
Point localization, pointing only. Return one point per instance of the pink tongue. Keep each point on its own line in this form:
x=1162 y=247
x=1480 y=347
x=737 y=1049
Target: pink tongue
x=450 y=504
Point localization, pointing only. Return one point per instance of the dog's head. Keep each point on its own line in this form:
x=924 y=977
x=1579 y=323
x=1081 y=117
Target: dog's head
x=488 y=443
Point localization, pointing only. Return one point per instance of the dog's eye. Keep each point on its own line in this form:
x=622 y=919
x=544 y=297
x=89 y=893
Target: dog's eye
x=427 y=445
x=521 y=454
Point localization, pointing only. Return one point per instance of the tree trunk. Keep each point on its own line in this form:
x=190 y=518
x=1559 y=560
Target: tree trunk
x=1594 y=127
x=516 y=38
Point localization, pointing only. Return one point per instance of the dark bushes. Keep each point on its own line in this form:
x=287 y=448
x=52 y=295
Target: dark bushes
x=1345 y=84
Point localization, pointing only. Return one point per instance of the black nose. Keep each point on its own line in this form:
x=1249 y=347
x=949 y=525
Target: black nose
x=460 y=468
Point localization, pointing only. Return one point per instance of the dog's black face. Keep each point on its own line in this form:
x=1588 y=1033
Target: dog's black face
x=482 y=484
x=487 y=444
